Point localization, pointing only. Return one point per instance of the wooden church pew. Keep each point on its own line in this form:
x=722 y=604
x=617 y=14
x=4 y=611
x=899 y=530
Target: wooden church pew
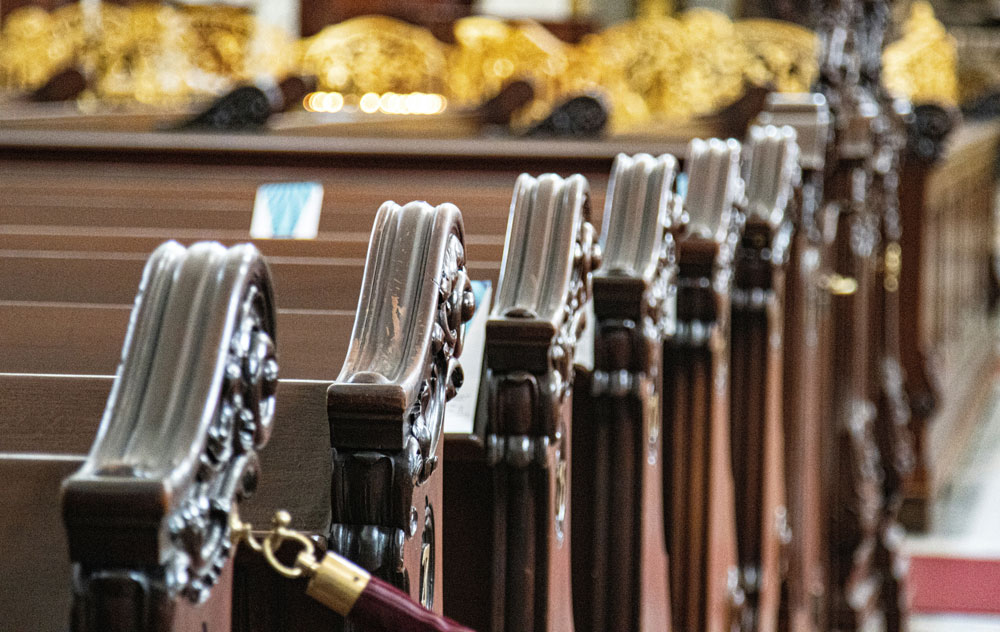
x=385 y=414
x=806 y=343
x=24 y=306
x=336 y=244
x=111 y=278
x=698 y=484
x=852 y=475
x=79 y=338
x=620 y=565
x=36 y=421
x=94 y=389
x=507 y=489
x=167 y=458
x=184 y=187
x=771 y=170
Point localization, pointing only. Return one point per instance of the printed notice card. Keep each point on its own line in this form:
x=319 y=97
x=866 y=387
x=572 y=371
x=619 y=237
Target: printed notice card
x=287 y=210
x=460 y=413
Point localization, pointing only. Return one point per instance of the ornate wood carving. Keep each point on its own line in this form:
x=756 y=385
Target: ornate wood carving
x=771 y=170
x=508 y=485
x=926 y=130
x=806 y=339
x=893 y=427
x=386 y=409
x=147 y=515
x=620 y=565
x=852 y=32
x=698 y=485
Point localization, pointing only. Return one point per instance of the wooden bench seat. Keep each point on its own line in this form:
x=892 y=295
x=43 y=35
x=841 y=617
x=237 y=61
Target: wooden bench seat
x=336 y=244
x=98 y=193
x=86 y=339
x=113 y=277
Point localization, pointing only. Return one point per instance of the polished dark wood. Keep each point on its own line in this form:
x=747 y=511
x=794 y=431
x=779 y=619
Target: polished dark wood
x=34 y=587
x=386 y=408
x=852 y=469
x=806 y=338
x=757 y=432
x=620 y=566
x=111 y=278
x=509 y=561
x=191 y=404
x=698 y=481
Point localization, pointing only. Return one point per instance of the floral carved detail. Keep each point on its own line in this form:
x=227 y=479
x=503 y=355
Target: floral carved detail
x=456 y=305
x=586 y=257
x=227 y=468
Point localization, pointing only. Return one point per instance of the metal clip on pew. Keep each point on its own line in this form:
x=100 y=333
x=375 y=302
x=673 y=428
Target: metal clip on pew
x=698 y=484
x=771 y=170
x=806 y=342
x=620 y=567
x=386 y=409
x=507 y=487
x=147 y=516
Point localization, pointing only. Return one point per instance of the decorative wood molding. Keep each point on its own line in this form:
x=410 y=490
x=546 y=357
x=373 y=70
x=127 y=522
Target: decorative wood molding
x=511 y=495
x=806 y=347
x=386 y=409
x=771 y=171
x=192 y=402
x=698 y=484
x=620 y=567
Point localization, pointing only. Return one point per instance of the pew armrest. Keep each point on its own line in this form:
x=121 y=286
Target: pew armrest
x=193 y=400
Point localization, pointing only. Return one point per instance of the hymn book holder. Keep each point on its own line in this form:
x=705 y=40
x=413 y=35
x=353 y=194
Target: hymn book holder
x=771 y=171
x=147 y=515
x=620 y=565
x=698 y=484
x=806 y=342
x=386 y=408
x=508 y=529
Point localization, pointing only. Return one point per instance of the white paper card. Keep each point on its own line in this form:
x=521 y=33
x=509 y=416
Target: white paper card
x=287 y=210
x=460 y=413
x=585 y=344
x=553 y=10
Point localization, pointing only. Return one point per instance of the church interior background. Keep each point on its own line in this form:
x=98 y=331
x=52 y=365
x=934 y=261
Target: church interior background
x=708 y=385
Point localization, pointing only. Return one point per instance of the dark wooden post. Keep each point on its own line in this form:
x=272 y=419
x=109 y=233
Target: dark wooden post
x=698 y=484
x=386 y=409
x=770 y=169
x=805 y=381
x=508 y=566
x=852 y=33
x=620 y=567
x=147 y=515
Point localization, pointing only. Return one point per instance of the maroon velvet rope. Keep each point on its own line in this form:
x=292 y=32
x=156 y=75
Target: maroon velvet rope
x=384 y=608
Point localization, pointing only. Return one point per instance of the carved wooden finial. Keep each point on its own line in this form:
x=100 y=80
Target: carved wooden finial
x=771 y=157
x=512 y=500
x=616 y=408
x=696 y=394
x=386 y=409
x=148 y=513
x=714 y=187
